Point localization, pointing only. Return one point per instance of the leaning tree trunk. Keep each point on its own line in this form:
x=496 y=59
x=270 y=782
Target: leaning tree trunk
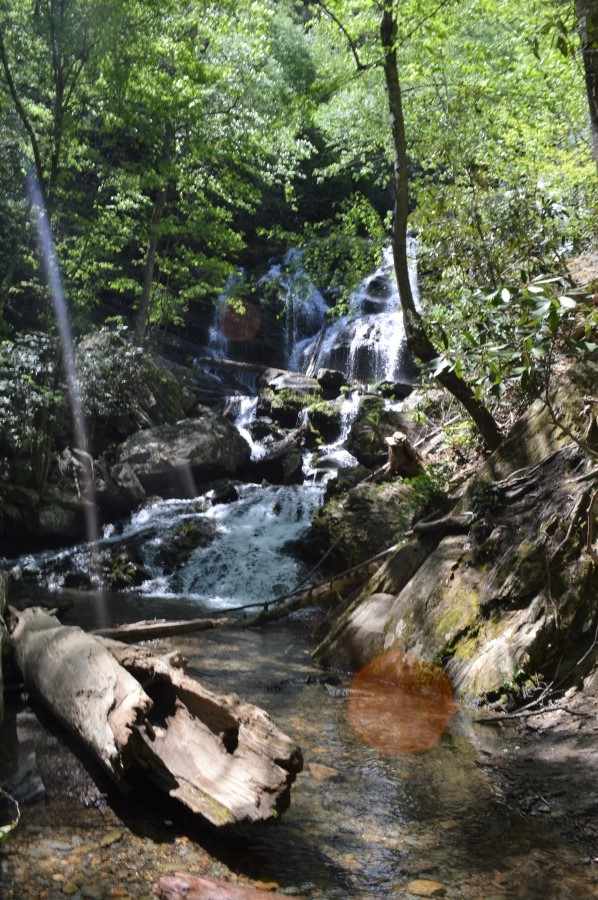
x=587 y=15
x=418 y=340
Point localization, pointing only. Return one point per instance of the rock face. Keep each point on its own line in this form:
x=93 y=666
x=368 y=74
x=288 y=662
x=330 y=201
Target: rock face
x=514 y=599
x=126 y=389
x=372 y=425
x=283 y=395
x=172 y=460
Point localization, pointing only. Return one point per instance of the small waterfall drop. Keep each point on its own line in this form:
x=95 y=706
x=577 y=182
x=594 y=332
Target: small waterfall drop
x=368 y=344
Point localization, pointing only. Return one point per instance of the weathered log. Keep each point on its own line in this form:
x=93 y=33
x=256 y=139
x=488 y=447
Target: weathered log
x=83 y=686
x=147 y=630
x=221 y=757
x=184 y=886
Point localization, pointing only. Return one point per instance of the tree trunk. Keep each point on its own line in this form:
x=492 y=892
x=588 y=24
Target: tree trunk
x=222 y=758
x=418 y=340
x=587 y=14
x=148 y=272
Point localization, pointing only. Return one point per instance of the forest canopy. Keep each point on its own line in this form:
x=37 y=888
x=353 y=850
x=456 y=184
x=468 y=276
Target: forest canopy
x=173 y=141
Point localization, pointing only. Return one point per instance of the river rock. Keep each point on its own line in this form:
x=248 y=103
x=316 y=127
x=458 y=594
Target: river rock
x=283 y=395
x=372 y=425
x=514 y=598
x=174 y=460
x=423 y=887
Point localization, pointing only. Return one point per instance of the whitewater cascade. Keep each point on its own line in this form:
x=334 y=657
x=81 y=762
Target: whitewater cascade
x=248 y=554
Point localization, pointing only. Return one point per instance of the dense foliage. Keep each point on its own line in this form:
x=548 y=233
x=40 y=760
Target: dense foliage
x=169 y=139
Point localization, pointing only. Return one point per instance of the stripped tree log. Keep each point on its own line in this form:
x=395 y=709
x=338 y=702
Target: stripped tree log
x=148 y=630
x=140 y=713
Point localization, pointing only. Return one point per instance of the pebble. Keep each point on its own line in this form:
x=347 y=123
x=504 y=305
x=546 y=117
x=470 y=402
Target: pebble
x=323 y=773
x=111 y=837
x=423 y=888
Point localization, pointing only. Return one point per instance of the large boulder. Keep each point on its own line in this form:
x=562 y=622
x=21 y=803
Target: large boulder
x=373 y=423
x=174 y=460
x=28 y=519
x=125 y=388
x=358 y=523
x=513 y=600
x=283 y=395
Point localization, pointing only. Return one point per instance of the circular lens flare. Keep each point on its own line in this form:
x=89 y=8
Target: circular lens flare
x=400 y=704
x=241 y=325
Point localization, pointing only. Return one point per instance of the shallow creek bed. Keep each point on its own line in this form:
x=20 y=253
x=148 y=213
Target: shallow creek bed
x=491 y=812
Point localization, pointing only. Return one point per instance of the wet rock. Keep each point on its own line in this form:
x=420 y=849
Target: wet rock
x=177 y=546
x=173 y=460
x=284 y=466
x=424 y=888
x=325 y=416
x=332 y=382
x=370 y=428
x=283 y=395
x=394 y=390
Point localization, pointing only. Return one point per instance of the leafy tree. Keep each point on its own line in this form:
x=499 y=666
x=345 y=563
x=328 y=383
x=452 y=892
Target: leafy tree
x=490 y=160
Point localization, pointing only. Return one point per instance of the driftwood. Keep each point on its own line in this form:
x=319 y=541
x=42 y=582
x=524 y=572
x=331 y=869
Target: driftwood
x=184 y=886
x=147 y=630
x=221 y=757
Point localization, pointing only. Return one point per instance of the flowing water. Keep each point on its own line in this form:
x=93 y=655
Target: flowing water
x=362 y=822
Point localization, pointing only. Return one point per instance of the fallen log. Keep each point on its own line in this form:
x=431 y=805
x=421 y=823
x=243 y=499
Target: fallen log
x=182 y=886
x=147 y=630
x=221 y=757
x=232 y=364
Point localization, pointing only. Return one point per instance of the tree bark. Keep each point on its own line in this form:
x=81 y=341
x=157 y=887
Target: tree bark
x=418 y=340
x=150 y=265
x=587 y=15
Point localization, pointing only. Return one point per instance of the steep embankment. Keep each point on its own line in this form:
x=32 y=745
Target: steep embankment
x=512 y=598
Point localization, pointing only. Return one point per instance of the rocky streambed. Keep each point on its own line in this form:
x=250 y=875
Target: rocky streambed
x=493 y=811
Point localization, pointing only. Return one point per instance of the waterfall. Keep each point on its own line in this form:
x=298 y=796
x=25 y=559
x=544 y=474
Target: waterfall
x=368 y=344
x=248 y=552
x=304 y=306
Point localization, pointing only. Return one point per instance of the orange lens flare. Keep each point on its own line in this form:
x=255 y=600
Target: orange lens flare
x=241 y=326
x=400 y=704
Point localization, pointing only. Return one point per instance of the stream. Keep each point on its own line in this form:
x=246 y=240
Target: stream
x=362 y=823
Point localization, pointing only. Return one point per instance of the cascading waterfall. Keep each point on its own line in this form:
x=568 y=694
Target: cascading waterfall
x=304 y=306
x=248 y=556
x=368 y=344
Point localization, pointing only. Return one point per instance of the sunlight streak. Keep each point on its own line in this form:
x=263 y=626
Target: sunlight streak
x=52 y=273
